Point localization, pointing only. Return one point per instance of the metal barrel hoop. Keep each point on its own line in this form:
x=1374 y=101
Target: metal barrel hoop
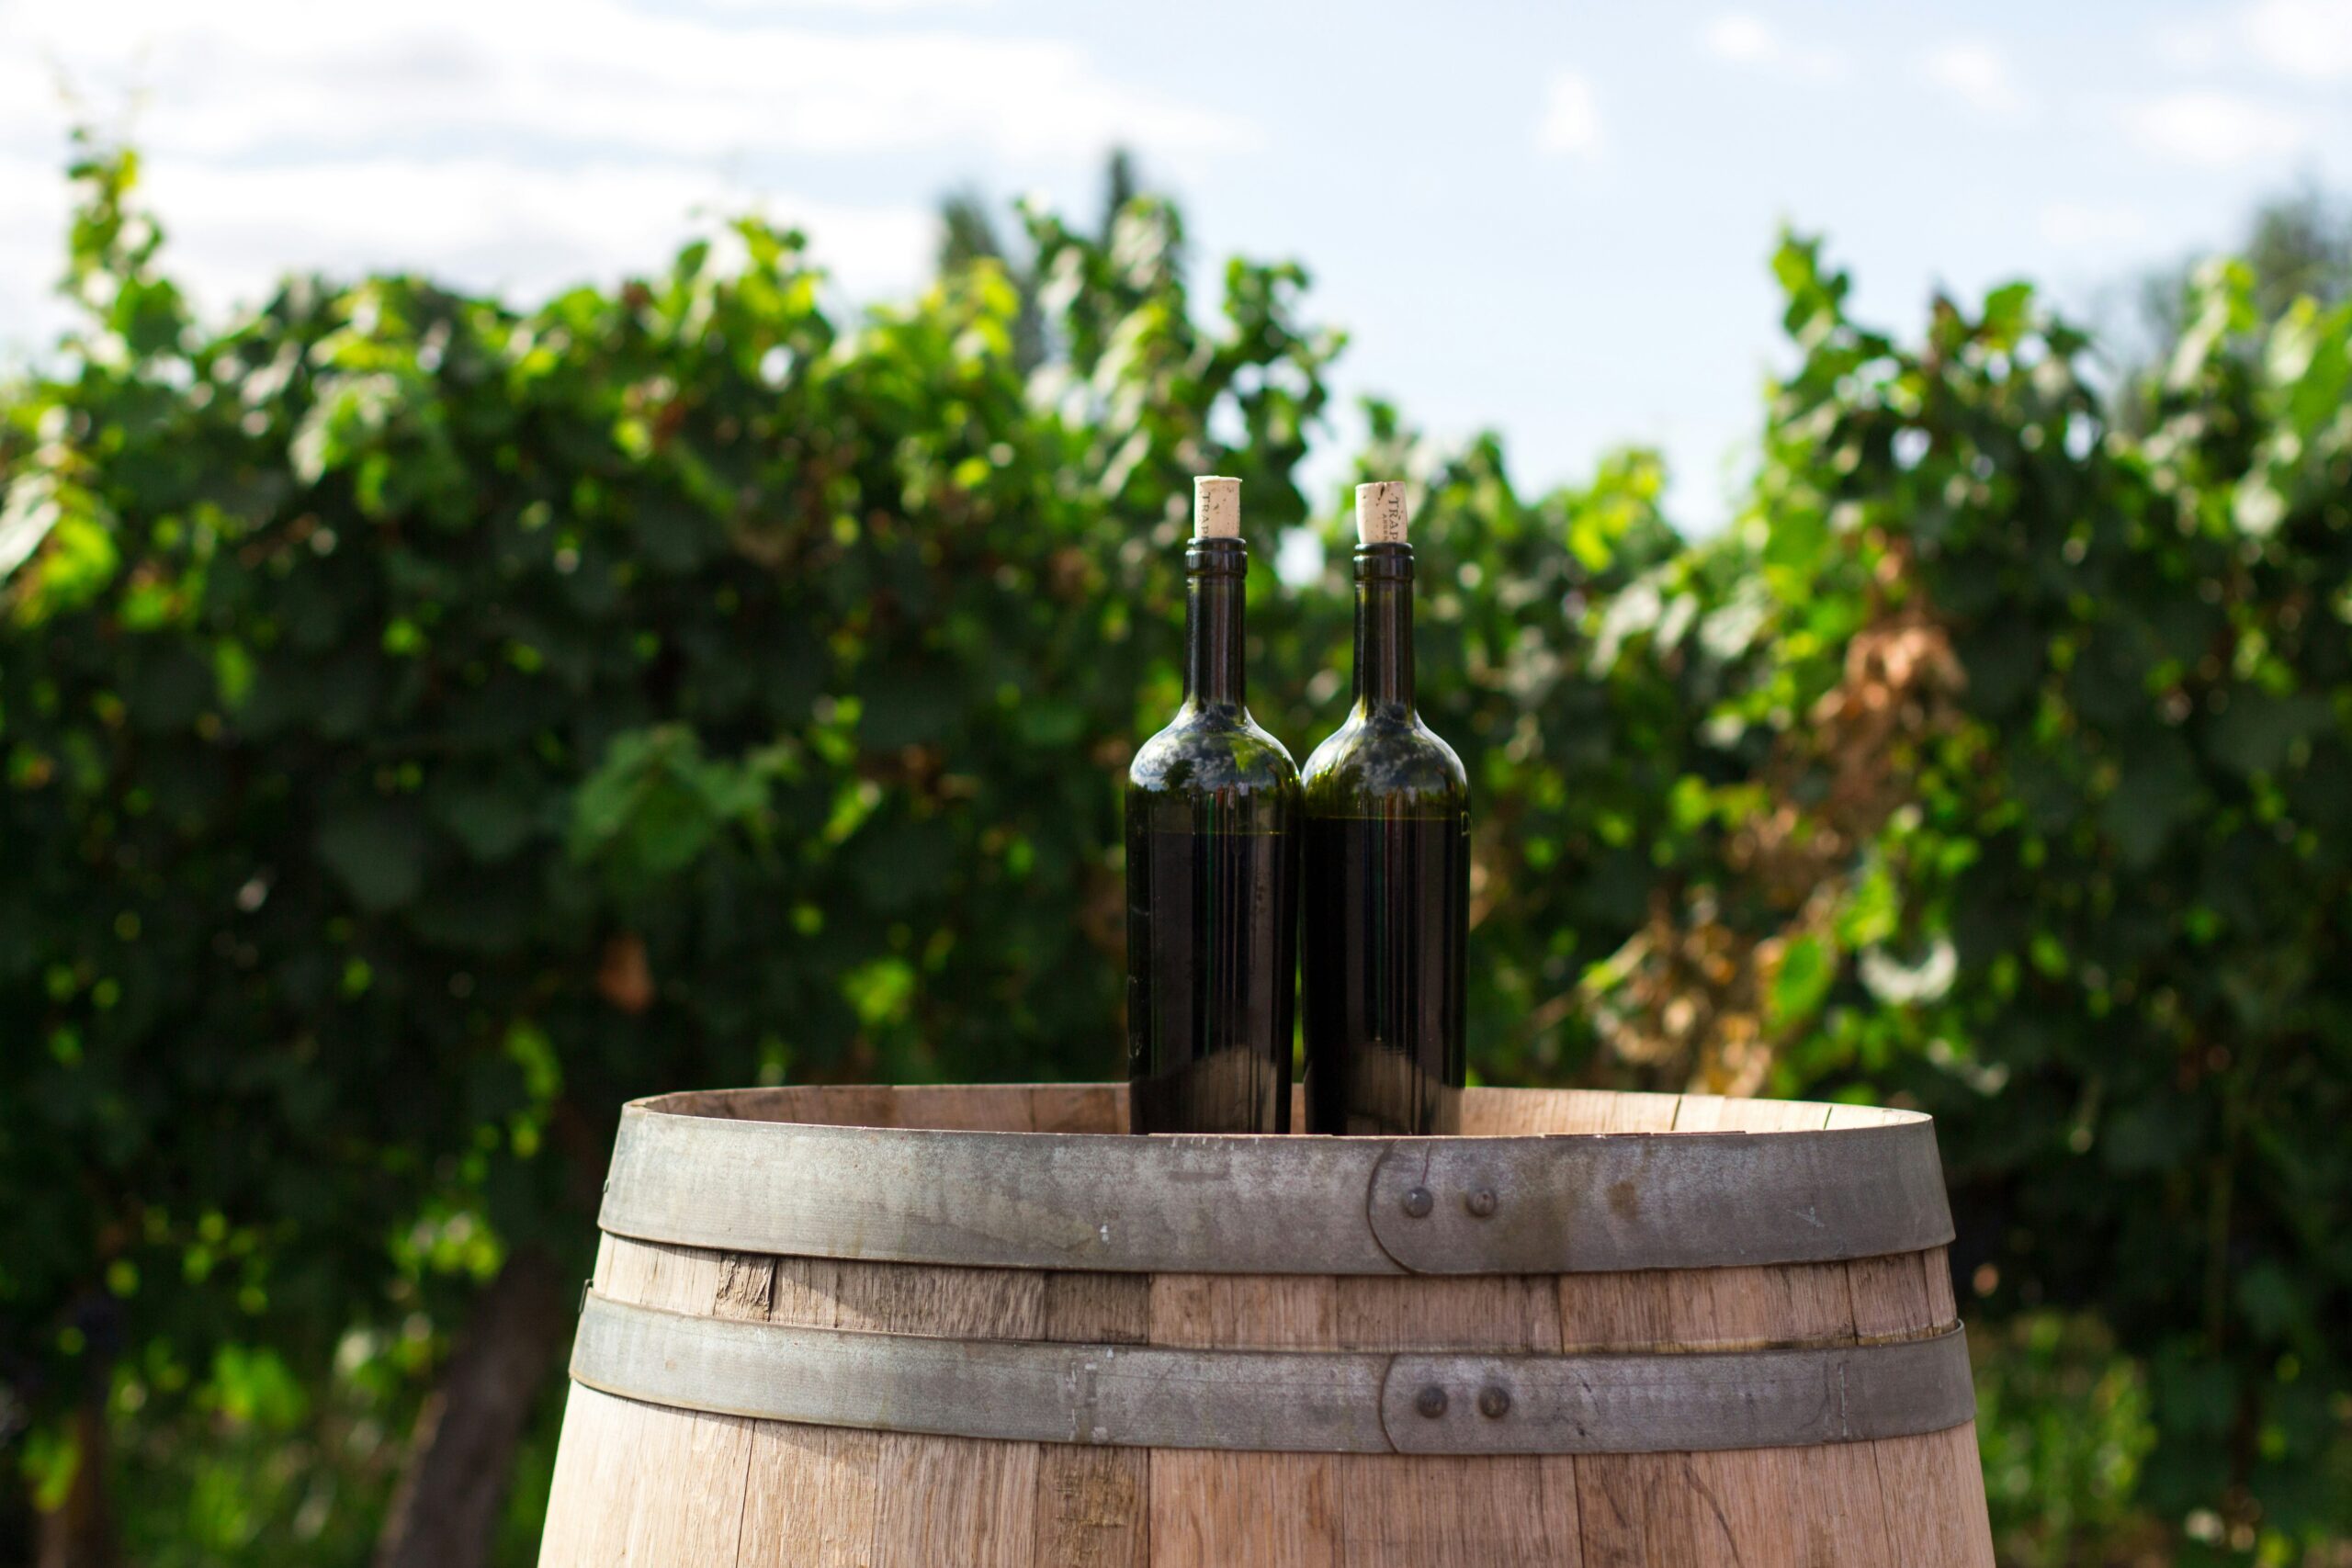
x=1108 y=1202
x=693 y=1171
x=1334 y=1402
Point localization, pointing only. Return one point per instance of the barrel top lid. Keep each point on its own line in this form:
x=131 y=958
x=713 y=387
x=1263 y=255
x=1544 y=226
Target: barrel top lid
x=1380 y=513
x=1216 y=507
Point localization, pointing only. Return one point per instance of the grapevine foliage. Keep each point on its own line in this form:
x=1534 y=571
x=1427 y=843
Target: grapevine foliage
x=428 y=723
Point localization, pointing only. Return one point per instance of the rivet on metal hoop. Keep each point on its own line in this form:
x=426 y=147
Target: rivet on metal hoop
x=1481 y=1204
x=1430 y=1401
x=1419 y=1201
x=1494 y=1402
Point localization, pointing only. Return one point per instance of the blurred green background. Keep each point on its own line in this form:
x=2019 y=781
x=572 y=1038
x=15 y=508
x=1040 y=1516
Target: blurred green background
x=428 y=723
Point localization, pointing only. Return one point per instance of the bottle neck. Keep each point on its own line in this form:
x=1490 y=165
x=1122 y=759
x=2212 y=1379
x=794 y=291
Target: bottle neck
x=1384 y=628
x=1214 y=570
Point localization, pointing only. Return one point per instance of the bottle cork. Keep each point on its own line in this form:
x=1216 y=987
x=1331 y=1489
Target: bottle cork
x=1380 y=513
x=1216 y=507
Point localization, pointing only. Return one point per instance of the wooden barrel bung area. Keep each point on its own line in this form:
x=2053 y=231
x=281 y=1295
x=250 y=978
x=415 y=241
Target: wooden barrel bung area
x=865 y=1327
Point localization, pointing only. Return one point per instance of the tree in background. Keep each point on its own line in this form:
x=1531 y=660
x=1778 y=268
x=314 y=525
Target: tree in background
x=426 y=723
x=429 y=725
x=2112 y=959
x=967 y=235
x=2296 y=247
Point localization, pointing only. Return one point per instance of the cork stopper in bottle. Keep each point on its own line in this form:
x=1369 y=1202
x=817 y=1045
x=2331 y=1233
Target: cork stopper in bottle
x=1216 y=507
x=1380 y=513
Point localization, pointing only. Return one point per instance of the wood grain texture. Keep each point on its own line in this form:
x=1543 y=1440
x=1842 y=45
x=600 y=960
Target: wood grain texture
x=637 y=1483
x=1932 y=1486
x=955 y=1108
x=1102 y=1108
x=664 y=1485
x=1514 y=1511
x=593 y=1471
x=589 y=1462
x=689 y=1489
x=1787 y=1507
x=1519 y=1113
x=1078 y=1107
x=1247 y=1510
x=951 y=1499
x=1631 y=1508
x=809 y=1493
x=1935 y=1500
x=1636 y=1511
x=1745 y=1506
x=809 y=1497
x=1769 y=1508
x=1093 y=1504
x=1591 y=1111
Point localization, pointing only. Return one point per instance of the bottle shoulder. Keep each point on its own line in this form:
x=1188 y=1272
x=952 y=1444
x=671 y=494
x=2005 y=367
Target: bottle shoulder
x=1213 y=750
x=1391 y=759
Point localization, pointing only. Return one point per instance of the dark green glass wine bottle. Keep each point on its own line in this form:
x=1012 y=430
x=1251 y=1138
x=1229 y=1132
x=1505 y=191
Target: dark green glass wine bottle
x=1212 y=808
x=1386 y=886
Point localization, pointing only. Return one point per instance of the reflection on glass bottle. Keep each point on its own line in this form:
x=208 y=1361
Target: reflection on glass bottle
x=1386 y=877
x=1212 y=835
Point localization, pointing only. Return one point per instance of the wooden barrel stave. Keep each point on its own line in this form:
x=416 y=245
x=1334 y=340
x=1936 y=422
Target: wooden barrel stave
x=639 y=1482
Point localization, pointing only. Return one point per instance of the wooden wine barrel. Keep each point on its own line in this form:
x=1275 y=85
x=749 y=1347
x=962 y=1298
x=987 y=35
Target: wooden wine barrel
x=859 y=1327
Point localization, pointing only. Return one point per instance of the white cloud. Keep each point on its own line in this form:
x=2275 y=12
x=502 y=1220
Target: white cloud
x=2307 y=39
x=2076 y=226
x=482 y=223
x=522 y=144
x=2188 y=45
x=1979 y=75
x=491 y=223
x=1571 y=123
x=1741 y=37
x=33 y=212
x=1747 y=40
x=2216 y=130
x=876 y=8
x=251 y=76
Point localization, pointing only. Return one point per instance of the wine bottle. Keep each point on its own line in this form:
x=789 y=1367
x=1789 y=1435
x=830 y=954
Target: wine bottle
x=1211 y=831
x=1386 y=877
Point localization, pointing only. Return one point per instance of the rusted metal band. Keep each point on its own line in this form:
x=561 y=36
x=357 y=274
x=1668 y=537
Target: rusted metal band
x=1327 y=1401
x=1570 y=1203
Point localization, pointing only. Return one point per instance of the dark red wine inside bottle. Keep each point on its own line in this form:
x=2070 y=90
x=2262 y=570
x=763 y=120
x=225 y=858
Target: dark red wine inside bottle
x=1386 y=894
x=1212 y=840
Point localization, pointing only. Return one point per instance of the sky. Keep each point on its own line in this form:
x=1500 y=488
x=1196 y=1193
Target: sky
x=1549 y=220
